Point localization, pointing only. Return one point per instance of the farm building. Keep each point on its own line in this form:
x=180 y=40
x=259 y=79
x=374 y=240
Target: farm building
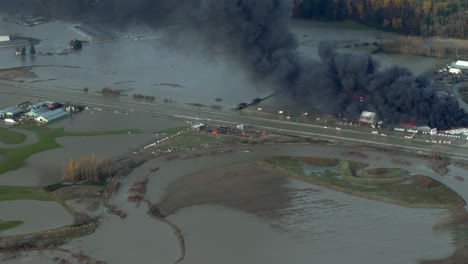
x=199 y=126
x=368 y=117
x=37 y=112
x=4 y=38
x=455 y=71
x=11 y=112
x=38 y=105
x=462 y=65
x=52 y=115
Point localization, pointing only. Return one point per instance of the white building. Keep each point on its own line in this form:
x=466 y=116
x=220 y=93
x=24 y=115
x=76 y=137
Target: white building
x=4 y=38
x=462 y=65
x=368 y=117
x=455 y=71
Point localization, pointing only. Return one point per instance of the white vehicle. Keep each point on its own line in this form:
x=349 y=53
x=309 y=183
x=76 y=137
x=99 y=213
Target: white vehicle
x=10 y=121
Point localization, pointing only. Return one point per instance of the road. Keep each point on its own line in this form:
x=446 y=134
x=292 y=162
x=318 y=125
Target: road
x=252 y=120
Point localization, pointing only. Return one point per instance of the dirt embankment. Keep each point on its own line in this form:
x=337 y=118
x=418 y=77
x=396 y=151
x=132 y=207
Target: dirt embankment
x=460 y=256
x=247 y=187
x=15 y=73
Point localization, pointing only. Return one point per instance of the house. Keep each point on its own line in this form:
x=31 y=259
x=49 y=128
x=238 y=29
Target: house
x=52 y=115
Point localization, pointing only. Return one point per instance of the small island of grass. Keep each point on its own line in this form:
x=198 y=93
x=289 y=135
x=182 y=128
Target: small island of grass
x=15 y=158
x=391 y=185
x=8 y=136
x=4 y=225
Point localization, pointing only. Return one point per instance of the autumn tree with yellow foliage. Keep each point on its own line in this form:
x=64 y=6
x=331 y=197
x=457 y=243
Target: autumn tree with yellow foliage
x=446 y=18
x=86 y=169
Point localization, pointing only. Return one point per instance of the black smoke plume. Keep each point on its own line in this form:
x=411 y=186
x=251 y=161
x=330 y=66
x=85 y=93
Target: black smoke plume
x=256 y=32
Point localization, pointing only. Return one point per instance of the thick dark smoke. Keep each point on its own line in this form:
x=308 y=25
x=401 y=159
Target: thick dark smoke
x=256 y=33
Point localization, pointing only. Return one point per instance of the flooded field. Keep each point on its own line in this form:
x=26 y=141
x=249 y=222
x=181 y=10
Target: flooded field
x=96 y=119
x=316 y=223
x=150 y=67
x=309 y=223
x=37 y=216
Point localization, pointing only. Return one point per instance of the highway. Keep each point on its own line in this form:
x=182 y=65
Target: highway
x=253 y=121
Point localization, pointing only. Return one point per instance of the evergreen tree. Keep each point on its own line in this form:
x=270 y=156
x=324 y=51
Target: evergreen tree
x=32 y=50
x=23 y=50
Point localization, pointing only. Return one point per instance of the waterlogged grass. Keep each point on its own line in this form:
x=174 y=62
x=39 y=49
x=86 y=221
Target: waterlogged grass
x=191 y=139
x=403 y=191
x=9 y=136
x=175 y=85
x=15 y=158
x=9 y=193
x=172 y=131
x=351 y=25
x=4 y=225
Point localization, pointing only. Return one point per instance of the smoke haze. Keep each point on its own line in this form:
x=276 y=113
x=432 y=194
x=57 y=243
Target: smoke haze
x=256 y=33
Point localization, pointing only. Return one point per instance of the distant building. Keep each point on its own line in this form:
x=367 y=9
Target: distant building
x=4 y=38
x=11 y=112
x=241 y=127
x=52 y=115
x=462 y=65
x=455 y=71
x=368 y=117
x=37 y=112
x=198 y=126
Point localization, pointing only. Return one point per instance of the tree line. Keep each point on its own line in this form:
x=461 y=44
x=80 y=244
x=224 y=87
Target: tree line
x=445 y=18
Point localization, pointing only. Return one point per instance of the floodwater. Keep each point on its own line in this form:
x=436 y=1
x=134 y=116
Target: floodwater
x=46 y=167
x=320 y=225
x=150 y=67
x=37 y=216
x=136 y=239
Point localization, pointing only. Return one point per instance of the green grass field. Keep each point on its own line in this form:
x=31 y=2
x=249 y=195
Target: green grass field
x=9 y=136
x=400 y=190
x=4 y=225
x=9 y=193
x=15 y=158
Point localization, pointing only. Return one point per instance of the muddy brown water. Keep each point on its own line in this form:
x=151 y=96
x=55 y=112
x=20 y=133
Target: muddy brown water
x=37 y=216
x=142 y=66
x=319 y=224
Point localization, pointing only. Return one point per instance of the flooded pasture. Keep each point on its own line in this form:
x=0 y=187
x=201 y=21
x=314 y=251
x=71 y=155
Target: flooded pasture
x=151 y=67
x=37 y=216
x=319 y=224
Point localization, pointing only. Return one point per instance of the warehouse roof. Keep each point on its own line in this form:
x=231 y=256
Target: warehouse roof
x=460 y=64
x=53 y=115
x=9 y=109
